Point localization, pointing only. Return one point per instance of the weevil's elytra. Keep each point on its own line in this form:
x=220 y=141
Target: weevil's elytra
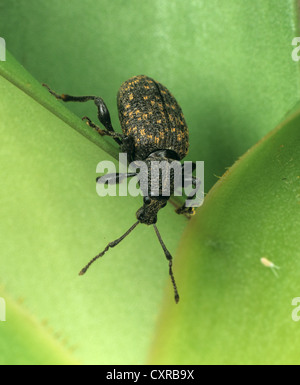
x=153 y=129
x=149 y=107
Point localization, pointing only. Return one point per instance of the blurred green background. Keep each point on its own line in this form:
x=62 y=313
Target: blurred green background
x=229 y=65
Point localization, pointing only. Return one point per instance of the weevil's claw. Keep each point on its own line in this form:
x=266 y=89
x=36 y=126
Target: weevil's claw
x=83 y=271
x=188 y=211
x=61 y=97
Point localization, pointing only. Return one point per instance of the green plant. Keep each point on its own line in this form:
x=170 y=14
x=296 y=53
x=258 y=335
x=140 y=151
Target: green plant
x=230 y=67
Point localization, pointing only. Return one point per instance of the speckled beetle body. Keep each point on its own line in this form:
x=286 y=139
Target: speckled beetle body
x=153 y=129
x=149 y=113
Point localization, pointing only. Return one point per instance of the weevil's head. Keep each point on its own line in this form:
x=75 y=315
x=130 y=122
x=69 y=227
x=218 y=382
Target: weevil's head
x=147 y=214
x=156 y=180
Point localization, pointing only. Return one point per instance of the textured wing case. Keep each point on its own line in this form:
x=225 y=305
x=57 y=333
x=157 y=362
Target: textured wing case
x=151 y=115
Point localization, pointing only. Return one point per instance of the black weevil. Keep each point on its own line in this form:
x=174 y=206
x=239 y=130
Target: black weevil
x=153 y=128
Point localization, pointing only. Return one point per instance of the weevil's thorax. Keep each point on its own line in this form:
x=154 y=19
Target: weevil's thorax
x=159 y=176
x=157 y=181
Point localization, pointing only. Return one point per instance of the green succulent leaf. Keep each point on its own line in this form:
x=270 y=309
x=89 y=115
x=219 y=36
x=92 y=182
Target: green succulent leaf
x=53 y=223
x=27 y=341
x=229 y=65
x=235 y=310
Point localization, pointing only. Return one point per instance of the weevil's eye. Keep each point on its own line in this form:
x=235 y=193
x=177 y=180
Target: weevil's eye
x=147 y=200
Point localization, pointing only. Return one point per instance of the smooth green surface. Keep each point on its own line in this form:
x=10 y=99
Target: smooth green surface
x=236 y=311
x=229 y=66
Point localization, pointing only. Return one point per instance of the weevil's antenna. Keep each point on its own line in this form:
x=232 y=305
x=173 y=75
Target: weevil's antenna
x=169 y=258
x=111 y=244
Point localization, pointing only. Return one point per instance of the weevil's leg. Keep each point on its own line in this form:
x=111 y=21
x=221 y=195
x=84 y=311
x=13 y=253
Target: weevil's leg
x=114 y=178
x=115 y=135
x=193 y=167
x=189 y=210
x=103 y=113
x=188 y=179
x=126 y=142
x=128 y=146
x=169 y=258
